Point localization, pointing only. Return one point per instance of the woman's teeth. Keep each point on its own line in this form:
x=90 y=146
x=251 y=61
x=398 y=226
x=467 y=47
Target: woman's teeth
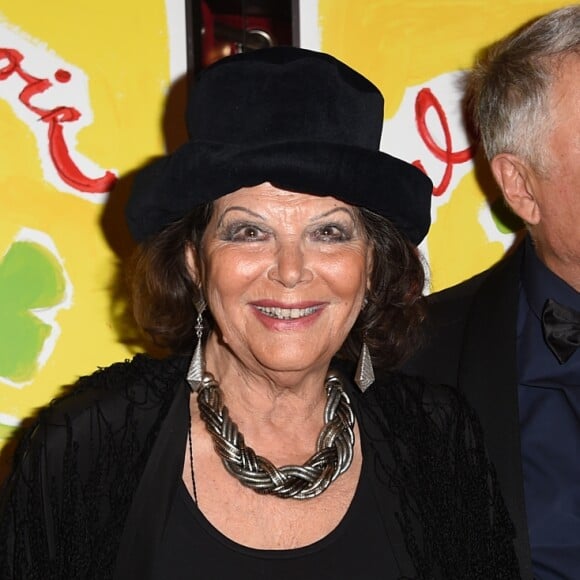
x=286 y=313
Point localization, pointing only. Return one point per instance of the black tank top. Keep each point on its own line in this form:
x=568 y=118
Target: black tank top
x=357 y=548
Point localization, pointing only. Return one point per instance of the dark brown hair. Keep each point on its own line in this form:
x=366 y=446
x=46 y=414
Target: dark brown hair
x=164 y=294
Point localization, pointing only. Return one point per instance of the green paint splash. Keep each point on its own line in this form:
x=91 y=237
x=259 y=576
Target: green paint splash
x=30 y=277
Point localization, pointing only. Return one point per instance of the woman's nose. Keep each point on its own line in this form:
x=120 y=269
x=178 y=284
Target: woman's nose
x=290 y=267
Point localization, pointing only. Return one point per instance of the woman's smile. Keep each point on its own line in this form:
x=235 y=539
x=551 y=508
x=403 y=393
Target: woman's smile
x=287 y=313
x=279 y=318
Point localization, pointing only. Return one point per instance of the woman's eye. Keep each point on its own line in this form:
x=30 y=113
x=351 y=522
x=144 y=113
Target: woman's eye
x=331 y=233
x=245 y=233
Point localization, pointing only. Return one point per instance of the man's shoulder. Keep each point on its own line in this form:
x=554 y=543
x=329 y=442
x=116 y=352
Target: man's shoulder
x=414 y=395
x=447 y=307
x=448 y=313
x=460 y=291
x=418 y=412
x=504 y=273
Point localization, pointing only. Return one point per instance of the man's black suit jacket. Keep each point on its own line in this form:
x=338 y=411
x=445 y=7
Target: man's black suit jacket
x=470 y=343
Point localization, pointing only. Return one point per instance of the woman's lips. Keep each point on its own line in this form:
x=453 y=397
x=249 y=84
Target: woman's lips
x=278 y=316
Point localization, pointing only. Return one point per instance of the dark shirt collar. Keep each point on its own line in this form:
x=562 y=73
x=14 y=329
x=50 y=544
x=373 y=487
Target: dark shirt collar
x=540 y=283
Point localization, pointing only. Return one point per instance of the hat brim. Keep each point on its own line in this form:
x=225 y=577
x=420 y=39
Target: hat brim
x=201 y=172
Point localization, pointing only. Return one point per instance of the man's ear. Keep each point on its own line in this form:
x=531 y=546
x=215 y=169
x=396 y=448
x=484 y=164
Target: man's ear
x=191 y=262
x=517 y=182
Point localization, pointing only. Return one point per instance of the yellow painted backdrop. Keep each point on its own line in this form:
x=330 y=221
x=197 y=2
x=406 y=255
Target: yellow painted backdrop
x=56 y=265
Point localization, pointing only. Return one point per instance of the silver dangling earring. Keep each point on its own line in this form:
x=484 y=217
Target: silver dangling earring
x=197 y=365
x=365 y=374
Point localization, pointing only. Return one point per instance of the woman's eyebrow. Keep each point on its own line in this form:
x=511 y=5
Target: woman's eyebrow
x=334 y=210
x=238 y=208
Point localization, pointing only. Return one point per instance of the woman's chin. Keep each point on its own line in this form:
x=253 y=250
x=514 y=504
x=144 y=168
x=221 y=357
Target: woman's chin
x=291 y=361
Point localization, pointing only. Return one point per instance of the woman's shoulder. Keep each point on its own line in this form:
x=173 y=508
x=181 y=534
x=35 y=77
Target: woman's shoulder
x=140 y=381
x=130 y=378
x=126 y=399
x=117 y=409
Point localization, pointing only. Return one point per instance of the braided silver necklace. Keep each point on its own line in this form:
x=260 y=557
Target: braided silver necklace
x=334 y=448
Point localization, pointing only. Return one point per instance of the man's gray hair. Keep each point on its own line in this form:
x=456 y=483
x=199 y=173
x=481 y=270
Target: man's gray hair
x=508 y=90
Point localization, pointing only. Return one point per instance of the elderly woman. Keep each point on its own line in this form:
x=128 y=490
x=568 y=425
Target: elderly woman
x=277 y=249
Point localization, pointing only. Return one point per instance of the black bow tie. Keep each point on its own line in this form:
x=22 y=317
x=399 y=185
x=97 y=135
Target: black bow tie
x=561 y=329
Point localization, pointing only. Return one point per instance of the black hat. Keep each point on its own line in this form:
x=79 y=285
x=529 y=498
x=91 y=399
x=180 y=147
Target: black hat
x=300 y=119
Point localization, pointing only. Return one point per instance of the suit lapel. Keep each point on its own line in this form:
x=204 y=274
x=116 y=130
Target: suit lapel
x=488 y=376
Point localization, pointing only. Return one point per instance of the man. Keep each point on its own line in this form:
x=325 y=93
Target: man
x=497 y=335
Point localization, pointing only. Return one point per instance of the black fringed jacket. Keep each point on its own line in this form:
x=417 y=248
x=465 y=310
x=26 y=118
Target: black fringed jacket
x=95 y=476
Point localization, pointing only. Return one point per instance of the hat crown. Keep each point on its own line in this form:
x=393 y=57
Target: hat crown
x=335 y=105
x=301 y=120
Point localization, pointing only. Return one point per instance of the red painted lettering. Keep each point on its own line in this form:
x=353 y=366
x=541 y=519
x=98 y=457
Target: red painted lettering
x=58 y=149
x=426 y=100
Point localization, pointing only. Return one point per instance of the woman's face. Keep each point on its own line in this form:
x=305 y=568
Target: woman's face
x=284 y=275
